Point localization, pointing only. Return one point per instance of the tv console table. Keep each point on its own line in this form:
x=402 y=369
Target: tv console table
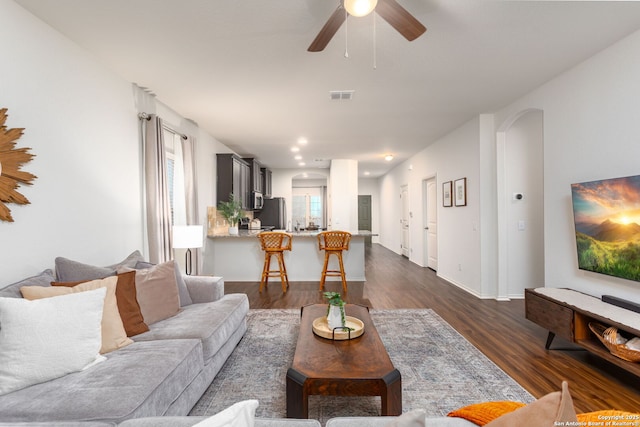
x=567 y=313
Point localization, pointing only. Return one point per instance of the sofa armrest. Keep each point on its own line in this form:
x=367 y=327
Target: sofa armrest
x=204 y=288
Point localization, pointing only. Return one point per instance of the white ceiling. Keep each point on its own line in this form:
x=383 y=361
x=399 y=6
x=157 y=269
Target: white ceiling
x=241 y=70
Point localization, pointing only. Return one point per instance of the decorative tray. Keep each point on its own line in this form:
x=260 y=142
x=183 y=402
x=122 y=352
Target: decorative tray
x=321 y=328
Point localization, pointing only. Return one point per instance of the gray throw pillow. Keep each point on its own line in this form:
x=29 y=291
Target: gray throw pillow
x=73 y=271
x=43 y=279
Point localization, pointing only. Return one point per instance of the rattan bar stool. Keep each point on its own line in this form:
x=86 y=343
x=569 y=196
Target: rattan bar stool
x=274 y=243
x=333 y=243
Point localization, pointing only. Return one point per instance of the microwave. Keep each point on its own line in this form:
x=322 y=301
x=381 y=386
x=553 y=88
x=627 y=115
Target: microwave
x=257 y=200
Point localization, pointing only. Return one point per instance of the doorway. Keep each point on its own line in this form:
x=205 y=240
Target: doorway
x=520 y=142
x=430 y=223
x=364 y=215
x=405 y=248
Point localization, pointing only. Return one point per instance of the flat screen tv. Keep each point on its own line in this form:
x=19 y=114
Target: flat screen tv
x=607 y=223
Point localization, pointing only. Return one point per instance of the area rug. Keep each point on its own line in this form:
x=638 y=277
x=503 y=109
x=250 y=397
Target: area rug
x=440 y=369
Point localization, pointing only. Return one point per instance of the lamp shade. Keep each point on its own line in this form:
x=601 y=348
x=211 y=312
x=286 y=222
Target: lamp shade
x=187 y=236
x=360 y=8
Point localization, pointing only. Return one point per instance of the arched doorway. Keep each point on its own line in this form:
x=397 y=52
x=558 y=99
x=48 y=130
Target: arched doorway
x=520 y=194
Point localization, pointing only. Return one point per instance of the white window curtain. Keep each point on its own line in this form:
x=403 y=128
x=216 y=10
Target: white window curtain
x=157 y=195
x=162 y=210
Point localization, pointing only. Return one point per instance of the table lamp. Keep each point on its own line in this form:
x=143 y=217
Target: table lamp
x=187 y=237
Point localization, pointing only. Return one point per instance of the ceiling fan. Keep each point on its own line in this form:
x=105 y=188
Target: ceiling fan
x=389 y=10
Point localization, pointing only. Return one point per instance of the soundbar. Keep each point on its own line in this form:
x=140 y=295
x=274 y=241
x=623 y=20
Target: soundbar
x=629 y=305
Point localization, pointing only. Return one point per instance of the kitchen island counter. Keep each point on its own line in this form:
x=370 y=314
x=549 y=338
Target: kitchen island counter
x=239 y=258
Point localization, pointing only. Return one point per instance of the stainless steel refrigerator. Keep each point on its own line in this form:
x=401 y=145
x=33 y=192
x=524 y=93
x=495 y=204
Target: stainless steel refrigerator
x=273 y=213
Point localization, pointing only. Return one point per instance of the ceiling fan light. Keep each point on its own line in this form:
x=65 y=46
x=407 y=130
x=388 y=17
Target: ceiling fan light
x=360 y=8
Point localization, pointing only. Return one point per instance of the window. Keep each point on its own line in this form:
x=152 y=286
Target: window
x=175 y=176
x=308 y=207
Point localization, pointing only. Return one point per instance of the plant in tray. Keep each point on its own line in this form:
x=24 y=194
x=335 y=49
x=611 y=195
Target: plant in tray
x=335 y=312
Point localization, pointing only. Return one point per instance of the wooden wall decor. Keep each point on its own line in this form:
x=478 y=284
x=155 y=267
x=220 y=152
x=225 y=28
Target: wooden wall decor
x=11 y=161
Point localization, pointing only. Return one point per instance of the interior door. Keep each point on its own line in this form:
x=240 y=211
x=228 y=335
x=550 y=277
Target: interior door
x=431 y=223
x=364 y=215
x=404 y=220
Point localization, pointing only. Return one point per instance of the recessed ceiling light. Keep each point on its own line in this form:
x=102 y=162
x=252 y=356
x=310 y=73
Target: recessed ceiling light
x=367 y=173
x=295 y=149
x=298 y=157
x=388 y=157
x=302 y=141
x=302 y=164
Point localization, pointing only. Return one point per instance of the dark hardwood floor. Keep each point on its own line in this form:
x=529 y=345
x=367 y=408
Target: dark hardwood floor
x=498 y=329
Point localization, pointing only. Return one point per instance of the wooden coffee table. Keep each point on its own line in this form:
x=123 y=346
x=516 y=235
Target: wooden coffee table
x=357 y=367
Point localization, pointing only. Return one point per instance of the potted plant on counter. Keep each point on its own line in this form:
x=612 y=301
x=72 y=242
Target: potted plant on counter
x=231 y=211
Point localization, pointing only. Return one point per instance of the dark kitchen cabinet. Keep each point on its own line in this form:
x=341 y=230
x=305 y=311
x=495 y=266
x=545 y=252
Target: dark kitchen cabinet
x=255 y=179
x=266 y=181
x=233 y=177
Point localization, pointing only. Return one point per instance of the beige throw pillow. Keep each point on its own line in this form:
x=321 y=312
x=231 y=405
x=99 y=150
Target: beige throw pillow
x=157 y=292
x=553 y=409
x=113 y=334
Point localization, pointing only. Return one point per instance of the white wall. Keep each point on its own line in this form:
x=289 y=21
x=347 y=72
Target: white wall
x=524 y=217
x=591 y=131
x=452 y=157
x=80 y=122
x=343 y=195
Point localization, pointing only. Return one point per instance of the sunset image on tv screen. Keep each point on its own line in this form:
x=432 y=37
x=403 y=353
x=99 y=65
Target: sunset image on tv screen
x=607 y=223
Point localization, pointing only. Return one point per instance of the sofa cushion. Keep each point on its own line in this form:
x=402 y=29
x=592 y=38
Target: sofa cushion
x=13 y=291
x=140 y=380
x=212 y=323
x=157 y=291
x=191 y=421
x=383 y=421
x=415 y=418
x=127 y=301
x=128 y=305
x=47 y=339
x=70 y=271
x=553 y=409
x=60 y=424
x=183 y=292
x=240 y=414
x=113 y=334
x=485 y=412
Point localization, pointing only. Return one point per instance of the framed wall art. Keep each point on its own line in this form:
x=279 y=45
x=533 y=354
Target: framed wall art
x=460 y=191
x=447 y=201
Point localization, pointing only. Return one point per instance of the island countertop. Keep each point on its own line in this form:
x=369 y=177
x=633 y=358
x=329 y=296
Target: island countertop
x=254 y=233
x=239 y=258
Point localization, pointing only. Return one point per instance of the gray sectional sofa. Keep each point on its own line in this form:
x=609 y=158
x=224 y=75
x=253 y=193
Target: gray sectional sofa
x=164 y=372
x=155 y=381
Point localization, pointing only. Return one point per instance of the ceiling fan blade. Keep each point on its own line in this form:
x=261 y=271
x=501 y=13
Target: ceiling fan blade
x=400 y=19
x=328 y=31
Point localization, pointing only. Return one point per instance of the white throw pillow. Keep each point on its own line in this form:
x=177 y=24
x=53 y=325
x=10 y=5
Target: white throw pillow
x=48 y=338
x=241 y=414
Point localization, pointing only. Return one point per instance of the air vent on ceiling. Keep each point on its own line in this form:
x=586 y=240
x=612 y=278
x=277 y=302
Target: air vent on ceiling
x=341 y=95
